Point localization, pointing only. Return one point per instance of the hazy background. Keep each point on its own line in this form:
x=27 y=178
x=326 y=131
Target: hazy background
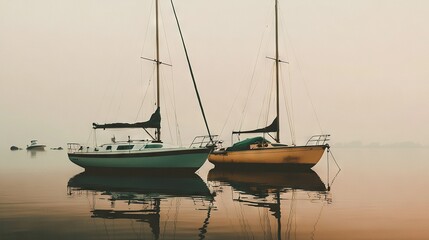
x=66 y=64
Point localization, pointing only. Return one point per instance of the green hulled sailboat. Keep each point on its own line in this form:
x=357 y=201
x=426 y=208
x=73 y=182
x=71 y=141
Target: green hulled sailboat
x=144 y=154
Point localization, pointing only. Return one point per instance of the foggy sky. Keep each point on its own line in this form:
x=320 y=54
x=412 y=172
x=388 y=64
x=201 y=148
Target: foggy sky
x=66 y=64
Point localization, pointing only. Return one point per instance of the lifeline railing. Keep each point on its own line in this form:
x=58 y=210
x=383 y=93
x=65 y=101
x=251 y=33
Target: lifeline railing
x=318 y=140
x=73 y=147
x=204 y=141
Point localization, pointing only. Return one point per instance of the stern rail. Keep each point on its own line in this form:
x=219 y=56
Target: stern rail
x=74 y=147
x=204 y=141
x=318 y=140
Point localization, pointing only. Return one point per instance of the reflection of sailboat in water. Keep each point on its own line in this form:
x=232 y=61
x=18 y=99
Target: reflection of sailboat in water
x=141 y=197
x=268 y=189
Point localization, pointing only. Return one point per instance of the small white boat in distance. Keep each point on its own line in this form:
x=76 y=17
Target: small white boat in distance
x=34 y=145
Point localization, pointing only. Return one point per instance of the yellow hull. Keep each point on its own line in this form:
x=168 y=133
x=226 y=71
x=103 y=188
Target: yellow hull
x=276 y=155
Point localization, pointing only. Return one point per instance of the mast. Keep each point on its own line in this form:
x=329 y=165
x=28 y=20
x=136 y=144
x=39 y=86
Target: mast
x=158 y=130
x=277 y=75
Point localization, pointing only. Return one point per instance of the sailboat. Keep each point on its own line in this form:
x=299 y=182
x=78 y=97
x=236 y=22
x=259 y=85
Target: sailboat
x=150 y=153
x=260 y=151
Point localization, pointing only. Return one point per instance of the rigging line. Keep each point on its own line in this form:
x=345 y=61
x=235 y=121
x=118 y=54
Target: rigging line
x=303 y=80
x=119 y=107
x=111 y=100
x=147 y=90
x=176 y=216
x=178 y=135
x=262 y=224
x=147 y=28
x=168 y=219
x=291 y=215
x=192 y=73
x=241 y=220
x=246 y=225
x=270 y=99
x=334 y=159
x=252 y=78
x=165 y=88
x=268 y=75
x=288 y=104
x=339 y=169
x=268 y=16
x=267 y=98
x=178 y=140
x=288 y=112
x=89 y=137
x=313 y=233
x=165 y=37
x=270 y=234
x=242 y=81
x=327 y=161
x=292 y=112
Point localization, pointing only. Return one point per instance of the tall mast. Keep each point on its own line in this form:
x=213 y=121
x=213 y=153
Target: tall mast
x=277 y=75
x=158 y=130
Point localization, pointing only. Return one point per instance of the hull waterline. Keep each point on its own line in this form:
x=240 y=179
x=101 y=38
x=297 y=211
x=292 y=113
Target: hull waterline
x=189 y=159
x=289 y=157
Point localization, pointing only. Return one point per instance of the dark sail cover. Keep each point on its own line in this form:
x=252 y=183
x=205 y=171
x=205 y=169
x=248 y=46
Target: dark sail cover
x=271 y=128
x=154 y=122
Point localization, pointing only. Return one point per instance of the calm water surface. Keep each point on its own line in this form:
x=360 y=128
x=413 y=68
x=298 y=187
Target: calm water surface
x=379 y=194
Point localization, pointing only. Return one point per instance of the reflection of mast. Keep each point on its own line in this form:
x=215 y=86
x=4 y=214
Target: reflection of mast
x=145 y=190
x=255 y=183
x=278 y=215
x=203 y=229
x=151 y=216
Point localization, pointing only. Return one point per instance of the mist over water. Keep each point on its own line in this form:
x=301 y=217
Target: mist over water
x=379 y=194
x=65 y=65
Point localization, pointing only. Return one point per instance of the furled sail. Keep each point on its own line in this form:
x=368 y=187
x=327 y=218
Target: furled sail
x=154 y=122
x=273 y=127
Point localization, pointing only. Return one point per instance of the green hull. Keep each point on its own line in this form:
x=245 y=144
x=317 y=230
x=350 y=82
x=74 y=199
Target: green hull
x=166 y=159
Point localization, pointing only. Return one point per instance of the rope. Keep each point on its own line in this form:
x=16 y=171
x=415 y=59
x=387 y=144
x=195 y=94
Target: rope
x=286 y=33
x=178 y=137
x=252 y=80
x=288 y=112
x=241 y=84
x=147 y=29
x=329 y=152
x=313 y=233
x=327 y=160
x=145 y=94
x=173 y=100
x=251 y=92
x=164 y=88
x=265 y=99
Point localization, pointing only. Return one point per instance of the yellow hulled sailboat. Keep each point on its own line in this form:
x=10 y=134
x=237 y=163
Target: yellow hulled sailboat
x=260 y=151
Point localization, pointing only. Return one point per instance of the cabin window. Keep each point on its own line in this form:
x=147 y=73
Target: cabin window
x=109 y=148
x=154 y=146
x=125 y=147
